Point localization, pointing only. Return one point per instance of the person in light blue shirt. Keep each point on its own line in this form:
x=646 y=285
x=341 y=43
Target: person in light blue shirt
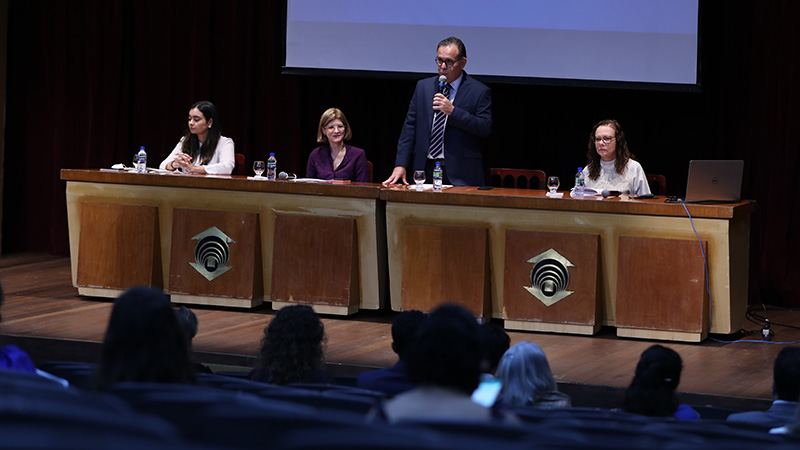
x=785 y=391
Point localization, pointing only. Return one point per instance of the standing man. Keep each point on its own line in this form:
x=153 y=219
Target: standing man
x=465 y=106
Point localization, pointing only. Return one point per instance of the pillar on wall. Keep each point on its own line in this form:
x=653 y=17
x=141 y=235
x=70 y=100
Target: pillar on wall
x=3 y=65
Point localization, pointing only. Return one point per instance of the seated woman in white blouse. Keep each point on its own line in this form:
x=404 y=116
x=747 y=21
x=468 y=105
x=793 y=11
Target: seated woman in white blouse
x=611 y=166
x=202 y=149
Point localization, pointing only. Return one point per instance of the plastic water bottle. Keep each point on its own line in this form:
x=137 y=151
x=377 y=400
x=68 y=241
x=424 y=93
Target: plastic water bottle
x=579 y=183
x=141 y=161
x=272 y=166
x=437 y=176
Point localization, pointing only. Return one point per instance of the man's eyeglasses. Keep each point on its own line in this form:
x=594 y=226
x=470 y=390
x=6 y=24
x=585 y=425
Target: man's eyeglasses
x=448 y=62
x=605 y=140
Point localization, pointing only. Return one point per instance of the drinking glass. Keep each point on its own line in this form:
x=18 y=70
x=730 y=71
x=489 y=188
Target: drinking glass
x=419 y=178
x=553 y=183
x=258 y=167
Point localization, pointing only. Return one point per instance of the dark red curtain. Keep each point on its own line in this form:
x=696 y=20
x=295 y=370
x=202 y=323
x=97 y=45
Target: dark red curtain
x=91 y=81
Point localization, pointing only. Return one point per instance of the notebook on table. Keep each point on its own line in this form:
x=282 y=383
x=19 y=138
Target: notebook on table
x=714 y=181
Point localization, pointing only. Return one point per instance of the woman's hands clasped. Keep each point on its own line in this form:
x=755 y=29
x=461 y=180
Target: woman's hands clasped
x=183 y=161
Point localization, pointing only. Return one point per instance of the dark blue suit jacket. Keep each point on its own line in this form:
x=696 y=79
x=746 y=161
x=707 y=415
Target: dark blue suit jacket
x=778 y=415
x=467 y=127
x=391 y=380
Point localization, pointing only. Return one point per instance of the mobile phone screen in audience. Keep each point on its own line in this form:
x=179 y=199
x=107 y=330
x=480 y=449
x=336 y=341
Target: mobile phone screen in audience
x=487 y=392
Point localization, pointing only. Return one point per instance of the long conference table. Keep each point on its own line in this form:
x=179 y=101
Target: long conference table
x=651 y=269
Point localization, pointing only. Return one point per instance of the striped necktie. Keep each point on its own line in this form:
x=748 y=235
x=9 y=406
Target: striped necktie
x=436 y=149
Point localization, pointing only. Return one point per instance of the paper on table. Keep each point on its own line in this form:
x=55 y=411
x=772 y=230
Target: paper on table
x=427 y=187
x=125 y=168
x=586 y=191
x=312 y=180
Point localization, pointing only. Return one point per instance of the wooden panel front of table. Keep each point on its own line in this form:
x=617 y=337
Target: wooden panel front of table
x=663 y=292
x=167 y=192
x=725 y=227
x=446 y=265
x=316 y=262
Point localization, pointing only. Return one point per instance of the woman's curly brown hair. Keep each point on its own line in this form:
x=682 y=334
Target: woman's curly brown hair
x=292 y=346
x=622 y=152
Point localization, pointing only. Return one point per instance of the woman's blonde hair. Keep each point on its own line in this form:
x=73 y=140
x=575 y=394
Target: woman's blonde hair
x=329 y=116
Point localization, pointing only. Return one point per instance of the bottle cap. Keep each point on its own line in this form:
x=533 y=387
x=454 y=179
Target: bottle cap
x=272 y=154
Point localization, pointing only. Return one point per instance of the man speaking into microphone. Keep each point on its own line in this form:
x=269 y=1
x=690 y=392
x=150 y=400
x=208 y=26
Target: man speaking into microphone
x=447 y=121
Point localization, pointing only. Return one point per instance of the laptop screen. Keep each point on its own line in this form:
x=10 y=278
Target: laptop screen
x=714 y=180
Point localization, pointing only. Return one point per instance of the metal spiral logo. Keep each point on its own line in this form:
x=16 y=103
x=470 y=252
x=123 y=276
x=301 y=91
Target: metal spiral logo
x=211 y=253
x=549 y=277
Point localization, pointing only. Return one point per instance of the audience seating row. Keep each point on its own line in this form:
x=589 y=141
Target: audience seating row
x=37 y=413
x=230 y=412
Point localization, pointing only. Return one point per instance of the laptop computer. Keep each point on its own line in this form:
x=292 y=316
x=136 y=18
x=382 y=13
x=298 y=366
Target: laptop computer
x=714 y=180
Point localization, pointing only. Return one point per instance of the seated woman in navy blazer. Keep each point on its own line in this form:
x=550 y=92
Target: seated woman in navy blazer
x=335 y=160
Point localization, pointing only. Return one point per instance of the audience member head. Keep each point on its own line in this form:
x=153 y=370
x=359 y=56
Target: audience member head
x=652 y=391
x=495 y=342
x=786 y=375
x=204 y=126
x=525 y=375
x=332 y=115
x=616 y=150
x=187 y=320
x=446 y=351
x=143 y=341
x=404 y=326
x=292 y=346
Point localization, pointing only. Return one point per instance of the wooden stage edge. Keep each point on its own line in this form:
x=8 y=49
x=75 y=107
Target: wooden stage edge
x=43 y=314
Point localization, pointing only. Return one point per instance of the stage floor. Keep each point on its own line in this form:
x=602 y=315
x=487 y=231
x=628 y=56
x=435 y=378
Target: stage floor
x=43 y=313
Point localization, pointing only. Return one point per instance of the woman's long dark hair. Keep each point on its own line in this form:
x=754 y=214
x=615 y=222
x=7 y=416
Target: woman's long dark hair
x=292 y=346
x=191 y=145
x=652 y=391
x=144 y=341
x=621 y=151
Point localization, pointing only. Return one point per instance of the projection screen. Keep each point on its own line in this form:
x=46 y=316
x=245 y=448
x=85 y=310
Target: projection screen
x=572 y=41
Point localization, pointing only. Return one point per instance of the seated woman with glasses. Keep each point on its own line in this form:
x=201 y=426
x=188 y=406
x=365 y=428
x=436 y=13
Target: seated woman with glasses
x=611 y=166
x=334 y=160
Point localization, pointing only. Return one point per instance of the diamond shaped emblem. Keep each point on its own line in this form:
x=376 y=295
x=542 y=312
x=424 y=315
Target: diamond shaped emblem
x=211 y=253
x=549 y=277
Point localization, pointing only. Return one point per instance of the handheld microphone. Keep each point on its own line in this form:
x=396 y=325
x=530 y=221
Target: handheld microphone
x=286 y=176
x=606 y=193
x=442 y=81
